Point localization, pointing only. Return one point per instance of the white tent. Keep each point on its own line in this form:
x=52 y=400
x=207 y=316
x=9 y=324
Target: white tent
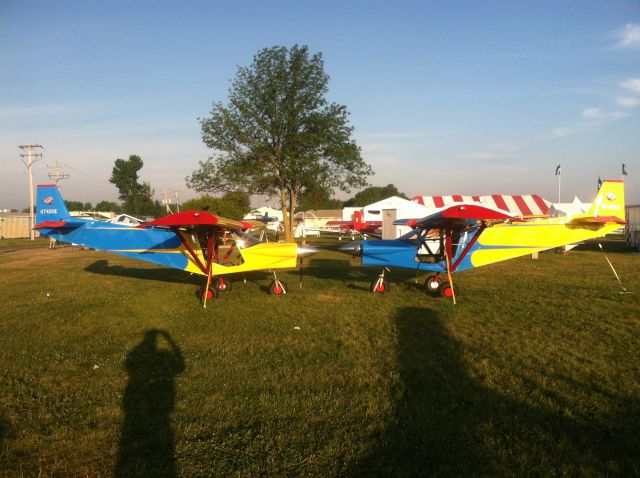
x=277 y=213
x=569 y=208
x=391 y=209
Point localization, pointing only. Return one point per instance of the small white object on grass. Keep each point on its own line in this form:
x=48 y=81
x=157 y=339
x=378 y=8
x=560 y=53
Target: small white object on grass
x=296 y=328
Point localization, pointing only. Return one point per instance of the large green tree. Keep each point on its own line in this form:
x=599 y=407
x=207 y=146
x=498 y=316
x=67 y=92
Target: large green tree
x=279 y=134
x=374 y=194
x=137 y=197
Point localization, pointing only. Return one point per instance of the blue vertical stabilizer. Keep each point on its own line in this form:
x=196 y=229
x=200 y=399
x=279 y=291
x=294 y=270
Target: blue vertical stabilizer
x=50 y=206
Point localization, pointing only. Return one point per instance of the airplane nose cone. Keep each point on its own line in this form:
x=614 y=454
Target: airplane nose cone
x=352 y=248
x=306 y=251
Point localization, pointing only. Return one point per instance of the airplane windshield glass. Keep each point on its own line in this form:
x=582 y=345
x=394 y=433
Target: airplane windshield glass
x=244 y=240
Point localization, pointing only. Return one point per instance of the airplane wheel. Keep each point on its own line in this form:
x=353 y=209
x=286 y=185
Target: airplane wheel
x=380 y=287
x=223 y=285
x=278 y=288
x=432 y=284
x=211 y=292
x=446 y=290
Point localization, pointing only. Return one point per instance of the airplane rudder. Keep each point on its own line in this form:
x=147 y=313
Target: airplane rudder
x=49 y=204
x=357 y=220
x=609 y=200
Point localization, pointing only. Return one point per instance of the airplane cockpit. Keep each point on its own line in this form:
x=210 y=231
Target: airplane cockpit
x=430 y=243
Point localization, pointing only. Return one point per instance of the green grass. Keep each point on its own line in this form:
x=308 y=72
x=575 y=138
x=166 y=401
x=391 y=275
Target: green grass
x=8 y=245
x=536 y=371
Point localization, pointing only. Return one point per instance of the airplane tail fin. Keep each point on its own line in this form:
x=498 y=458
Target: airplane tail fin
x=609 y=202
x=50 y=206
x=357 y=220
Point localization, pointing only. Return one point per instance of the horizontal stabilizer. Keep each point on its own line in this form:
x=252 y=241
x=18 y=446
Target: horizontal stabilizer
x=597 y=220
x=70 y=224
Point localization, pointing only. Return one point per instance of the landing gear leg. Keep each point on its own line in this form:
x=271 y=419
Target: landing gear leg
x=381 y=285
x=277 y=287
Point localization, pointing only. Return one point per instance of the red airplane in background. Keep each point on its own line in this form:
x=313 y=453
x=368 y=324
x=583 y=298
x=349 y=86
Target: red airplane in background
x=356 y=226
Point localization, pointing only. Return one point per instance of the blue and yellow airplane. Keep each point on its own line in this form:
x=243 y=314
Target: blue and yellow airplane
x=464 y=236
x=194 y=241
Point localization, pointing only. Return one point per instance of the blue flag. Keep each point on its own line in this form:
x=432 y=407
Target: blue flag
x=558 y=170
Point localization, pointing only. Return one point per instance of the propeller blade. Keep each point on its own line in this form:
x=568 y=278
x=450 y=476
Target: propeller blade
x=301 y=269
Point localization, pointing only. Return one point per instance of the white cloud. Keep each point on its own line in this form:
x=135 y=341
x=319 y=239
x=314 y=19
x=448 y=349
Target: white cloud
x=629 y=102
x=629 y=36
x=592 y=113
x=632 y=84
x=560 y=132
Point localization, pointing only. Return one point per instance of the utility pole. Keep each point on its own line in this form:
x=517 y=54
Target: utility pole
x=33 y=154
x=166 y=201
x=176 y=194
x=58 y=175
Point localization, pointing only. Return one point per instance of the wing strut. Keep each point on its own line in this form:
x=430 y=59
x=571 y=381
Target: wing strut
x=468 y=247
x=447 y=258
x=192 y=253
x=209 y=264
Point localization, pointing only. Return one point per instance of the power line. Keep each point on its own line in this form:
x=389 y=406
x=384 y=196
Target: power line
x=58 y=175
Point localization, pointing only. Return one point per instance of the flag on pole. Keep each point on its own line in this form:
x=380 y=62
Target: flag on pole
x=599 y=183
x=624 y=170
x=558 y=170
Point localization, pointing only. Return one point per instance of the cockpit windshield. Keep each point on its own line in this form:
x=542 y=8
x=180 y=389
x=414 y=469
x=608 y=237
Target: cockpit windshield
x=244 y=240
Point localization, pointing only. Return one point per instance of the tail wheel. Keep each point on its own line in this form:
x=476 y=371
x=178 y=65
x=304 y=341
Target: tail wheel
x=432 y=284
x=223 y=285
x=278 y=288
x=210 y=292
x=380 y=286
x=447 y=290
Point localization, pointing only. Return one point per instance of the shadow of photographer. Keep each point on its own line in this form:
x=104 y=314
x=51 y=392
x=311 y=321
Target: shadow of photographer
x=147 y=440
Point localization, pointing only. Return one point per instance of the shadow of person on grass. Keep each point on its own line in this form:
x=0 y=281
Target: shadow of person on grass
x=147 y=438
x=448 y=423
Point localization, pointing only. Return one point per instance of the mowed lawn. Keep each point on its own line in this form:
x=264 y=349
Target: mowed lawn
x=110 y=366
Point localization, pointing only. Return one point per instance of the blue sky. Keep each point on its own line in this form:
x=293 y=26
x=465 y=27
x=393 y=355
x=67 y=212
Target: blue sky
x=459 y=97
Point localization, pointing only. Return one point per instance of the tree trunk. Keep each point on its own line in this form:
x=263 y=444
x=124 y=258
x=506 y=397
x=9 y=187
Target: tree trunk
x=288 y=233
x=292 y=212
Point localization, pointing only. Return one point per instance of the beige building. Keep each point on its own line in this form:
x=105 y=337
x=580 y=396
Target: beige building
x=14 y=225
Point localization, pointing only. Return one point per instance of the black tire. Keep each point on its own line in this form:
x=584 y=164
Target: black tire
x=432 y=284
x=381 y=288
x=223 y=285
x=276 y=289
x=212 y=292
x=447 y=290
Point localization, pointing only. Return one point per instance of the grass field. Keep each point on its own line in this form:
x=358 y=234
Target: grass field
x=111 y=367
